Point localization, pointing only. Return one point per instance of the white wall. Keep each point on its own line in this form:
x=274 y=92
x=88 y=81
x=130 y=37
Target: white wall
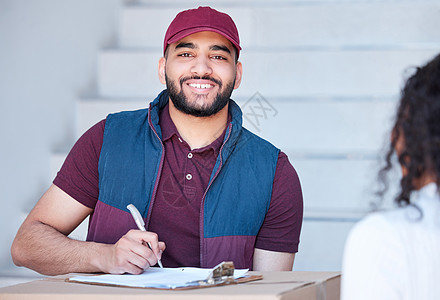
x=48 y=55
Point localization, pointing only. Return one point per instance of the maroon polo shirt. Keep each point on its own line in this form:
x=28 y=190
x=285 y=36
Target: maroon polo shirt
x=183 y=181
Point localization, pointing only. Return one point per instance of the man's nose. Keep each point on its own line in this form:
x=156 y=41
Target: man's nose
x=201 y=66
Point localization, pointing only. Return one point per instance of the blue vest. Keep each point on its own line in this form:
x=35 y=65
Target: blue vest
x=238 y=194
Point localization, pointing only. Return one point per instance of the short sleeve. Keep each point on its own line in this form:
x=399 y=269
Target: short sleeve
x=282 y=225
x=78 y=176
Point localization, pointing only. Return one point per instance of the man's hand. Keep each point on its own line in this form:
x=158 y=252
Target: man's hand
x=131 y=254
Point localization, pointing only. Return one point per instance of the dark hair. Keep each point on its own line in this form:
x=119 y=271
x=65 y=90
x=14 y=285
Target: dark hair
x=418 y=123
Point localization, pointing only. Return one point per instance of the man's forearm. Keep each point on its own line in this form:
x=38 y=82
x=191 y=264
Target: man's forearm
x=44 y=249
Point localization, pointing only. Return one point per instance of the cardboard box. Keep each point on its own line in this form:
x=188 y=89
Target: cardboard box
x=274 y=285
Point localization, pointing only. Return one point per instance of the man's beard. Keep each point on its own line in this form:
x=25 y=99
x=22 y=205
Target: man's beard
x=182 y=104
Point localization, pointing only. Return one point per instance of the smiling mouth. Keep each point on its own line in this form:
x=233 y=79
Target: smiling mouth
x=201 y=85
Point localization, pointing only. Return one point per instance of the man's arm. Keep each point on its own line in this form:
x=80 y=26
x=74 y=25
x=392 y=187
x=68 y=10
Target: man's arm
x=265 y=260
x=42 y=244
x=279 y=234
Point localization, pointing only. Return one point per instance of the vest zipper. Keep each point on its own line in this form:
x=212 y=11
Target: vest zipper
x=159 y=172
x=202 y=210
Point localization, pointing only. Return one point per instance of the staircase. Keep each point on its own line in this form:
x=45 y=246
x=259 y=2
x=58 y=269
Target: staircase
x=321 y=80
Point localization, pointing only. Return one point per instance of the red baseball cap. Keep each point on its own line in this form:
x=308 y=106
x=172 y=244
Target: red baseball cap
x=203 y=18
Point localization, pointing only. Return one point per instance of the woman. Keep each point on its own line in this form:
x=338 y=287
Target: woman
x=396 y=254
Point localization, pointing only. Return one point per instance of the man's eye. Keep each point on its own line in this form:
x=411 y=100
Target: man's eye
x=185 y=55
x=218 y=57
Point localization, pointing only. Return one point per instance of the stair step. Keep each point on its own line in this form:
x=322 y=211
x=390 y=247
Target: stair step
x=128 y=74
x=325 y=24
x=275 y=74
x=324 y=127
x=322 y=245
x=301 y=126
x=91 y=111
x=141 y=28
x=338 y=188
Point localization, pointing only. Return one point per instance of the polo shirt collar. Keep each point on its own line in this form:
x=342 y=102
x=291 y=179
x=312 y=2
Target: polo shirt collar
x=161 y=101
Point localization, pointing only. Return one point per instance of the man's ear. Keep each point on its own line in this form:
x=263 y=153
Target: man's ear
x=161 y=70
x=238 y=75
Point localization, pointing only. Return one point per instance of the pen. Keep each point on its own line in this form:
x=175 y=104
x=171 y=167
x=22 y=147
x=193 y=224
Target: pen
x=140 y=224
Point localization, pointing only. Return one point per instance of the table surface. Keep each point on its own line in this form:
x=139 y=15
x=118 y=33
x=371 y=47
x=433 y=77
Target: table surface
x=274 y=285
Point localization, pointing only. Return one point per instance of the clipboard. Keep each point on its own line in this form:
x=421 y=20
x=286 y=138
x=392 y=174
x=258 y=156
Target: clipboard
x=220 y=275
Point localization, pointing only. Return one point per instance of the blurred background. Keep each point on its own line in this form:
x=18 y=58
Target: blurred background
x=321 y=81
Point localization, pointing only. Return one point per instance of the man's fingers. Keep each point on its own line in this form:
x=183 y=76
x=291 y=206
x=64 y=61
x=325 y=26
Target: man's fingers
x=133 y=269
x=128 y=260
x=148 y=238
x=162 y=247
x=140 y=261
x=132 y=253
x=146 y=245
x=126 y=266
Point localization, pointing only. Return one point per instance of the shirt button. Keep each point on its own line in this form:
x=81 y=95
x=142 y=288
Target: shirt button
x=190 y=155
x=189 y=176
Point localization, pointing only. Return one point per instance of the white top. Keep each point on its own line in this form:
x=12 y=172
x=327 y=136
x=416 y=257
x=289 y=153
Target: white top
x=393 y=255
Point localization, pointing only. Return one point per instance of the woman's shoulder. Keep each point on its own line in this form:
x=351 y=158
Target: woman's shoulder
x=374 y=226
x=397 y=226
x=383 y=222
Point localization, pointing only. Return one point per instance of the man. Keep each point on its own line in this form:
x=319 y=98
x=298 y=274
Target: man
x=208 y=189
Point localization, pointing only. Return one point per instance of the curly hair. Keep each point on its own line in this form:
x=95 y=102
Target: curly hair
x=417 y=123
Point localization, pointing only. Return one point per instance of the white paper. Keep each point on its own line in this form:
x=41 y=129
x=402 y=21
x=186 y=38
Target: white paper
x=166 y=278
